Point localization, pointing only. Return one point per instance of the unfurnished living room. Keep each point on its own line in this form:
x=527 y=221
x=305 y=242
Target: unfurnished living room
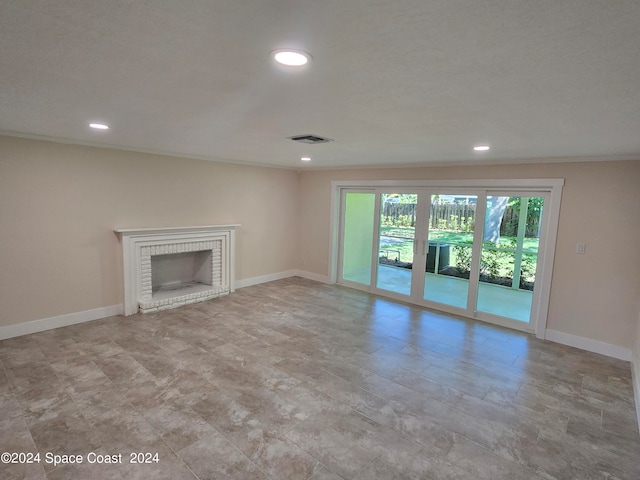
x=320 y=240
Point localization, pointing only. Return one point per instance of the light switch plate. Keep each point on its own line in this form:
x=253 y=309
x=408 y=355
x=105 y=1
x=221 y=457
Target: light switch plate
x=580 y=248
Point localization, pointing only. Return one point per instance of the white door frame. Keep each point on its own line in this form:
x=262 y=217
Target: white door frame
x=416 y=249
x=340 y=238
x=552 y=208
x=540 y=269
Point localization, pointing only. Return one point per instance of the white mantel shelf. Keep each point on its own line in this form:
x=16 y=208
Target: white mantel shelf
x=139 y=244
x=170 y=230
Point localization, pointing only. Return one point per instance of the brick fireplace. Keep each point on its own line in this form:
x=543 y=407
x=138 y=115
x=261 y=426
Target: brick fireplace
x=169 y=267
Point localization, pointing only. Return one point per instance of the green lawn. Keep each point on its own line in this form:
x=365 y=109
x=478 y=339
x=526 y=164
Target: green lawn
x=448 y=236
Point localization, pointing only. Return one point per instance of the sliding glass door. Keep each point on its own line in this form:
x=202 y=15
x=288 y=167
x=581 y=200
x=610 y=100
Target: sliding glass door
x=357 y=225
x=469 y=252
x=451 y=228
x=483 y=254
x=397 y=246
x=509 y=257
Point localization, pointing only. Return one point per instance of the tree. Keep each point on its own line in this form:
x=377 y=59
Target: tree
x=534 y=211
x=408 y=198
x=495 y=210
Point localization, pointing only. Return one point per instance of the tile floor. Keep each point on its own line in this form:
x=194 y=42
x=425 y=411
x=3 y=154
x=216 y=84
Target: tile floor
x=299 y=380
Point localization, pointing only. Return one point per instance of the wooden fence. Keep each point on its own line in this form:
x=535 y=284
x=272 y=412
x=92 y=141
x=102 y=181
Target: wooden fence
x=452 y=216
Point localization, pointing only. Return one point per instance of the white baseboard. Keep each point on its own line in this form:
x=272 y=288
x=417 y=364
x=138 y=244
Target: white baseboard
x=50 y=323
x=594 y=346
x=313 y=276
x=247 y=282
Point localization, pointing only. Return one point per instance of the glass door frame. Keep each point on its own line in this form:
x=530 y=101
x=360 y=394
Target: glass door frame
x=551 y=186
x=542 y=266
x=475 y=251
x=471 y=310
x=340 y=279
x=418 y=258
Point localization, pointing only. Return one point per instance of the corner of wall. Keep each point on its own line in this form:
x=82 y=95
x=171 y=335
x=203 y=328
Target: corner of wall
x=313 y=276
x=635 y=366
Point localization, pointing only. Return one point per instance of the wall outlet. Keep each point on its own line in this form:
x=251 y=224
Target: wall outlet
x=581 y=248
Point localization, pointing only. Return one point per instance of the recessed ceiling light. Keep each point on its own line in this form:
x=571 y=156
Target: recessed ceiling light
x=291 y=58
x=305 y=159
x=99 y=126
x=481 y=148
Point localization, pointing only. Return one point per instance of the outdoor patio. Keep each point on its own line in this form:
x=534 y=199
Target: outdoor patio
x=495 y=299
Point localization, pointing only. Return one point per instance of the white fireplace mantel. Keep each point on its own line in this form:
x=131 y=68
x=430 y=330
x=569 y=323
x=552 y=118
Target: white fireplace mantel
x=139 y=245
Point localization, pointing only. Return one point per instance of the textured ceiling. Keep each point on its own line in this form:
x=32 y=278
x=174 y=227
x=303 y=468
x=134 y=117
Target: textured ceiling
x=393 y=82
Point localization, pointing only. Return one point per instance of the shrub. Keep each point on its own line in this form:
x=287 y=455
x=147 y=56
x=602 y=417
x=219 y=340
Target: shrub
x=463 y=257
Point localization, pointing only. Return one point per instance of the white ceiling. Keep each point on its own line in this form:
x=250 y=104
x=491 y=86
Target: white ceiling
x=393 y=82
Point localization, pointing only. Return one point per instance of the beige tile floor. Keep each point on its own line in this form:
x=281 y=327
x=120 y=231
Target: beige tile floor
x=299 y=380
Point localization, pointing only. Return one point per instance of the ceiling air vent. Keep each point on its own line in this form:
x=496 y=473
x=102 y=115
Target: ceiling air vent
x=310 y=139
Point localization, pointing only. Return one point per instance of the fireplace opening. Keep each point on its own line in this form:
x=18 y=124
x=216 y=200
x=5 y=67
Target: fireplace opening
x=187 y=272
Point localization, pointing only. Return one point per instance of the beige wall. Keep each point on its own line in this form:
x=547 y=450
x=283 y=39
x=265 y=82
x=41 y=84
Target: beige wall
x=60 y=203
x=593 y=295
